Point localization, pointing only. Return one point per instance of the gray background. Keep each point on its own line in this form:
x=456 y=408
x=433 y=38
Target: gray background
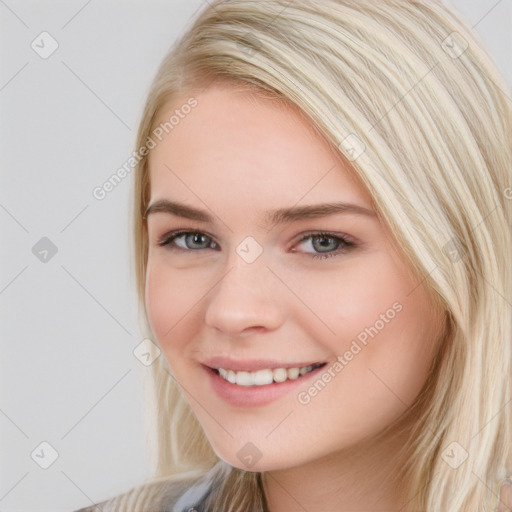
x=69 y=324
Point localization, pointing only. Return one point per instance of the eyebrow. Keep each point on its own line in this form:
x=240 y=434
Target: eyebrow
x=273 y=217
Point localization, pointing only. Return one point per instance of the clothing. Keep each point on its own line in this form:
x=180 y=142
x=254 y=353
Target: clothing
x=191 y=496
x=193 y=500
x=182 y=496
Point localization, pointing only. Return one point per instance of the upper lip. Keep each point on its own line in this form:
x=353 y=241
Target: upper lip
x=253 y=364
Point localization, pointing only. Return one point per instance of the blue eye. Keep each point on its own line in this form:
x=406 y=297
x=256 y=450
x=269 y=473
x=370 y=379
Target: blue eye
x=188 y=240
x=327 y=245
x=320 y=245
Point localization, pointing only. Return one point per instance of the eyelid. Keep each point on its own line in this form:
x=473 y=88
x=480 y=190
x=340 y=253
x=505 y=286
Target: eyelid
x=347 y=243
x=169 y=236
x=341 y=236
x=178 y=231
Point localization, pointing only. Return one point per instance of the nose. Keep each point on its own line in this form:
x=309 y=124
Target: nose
x=245 y=299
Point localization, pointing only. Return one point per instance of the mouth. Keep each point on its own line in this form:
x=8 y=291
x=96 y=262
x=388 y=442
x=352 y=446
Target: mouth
x=265 y=376
x=243 y=388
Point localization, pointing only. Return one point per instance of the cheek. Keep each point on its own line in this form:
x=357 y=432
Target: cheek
x=377 y=318
x=404 y=355
x=170 y=301
x=346 y=300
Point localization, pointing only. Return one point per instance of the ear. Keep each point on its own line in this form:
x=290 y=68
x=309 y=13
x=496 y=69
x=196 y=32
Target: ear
x=504 y=503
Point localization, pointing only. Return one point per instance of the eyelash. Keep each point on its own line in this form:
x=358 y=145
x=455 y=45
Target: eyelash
x=346 y=242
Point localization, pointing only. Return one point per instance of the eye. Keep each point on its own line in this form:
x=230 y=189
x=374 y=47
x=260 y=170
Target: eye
x=317 y=245
x=188 y=241
x=326 y=245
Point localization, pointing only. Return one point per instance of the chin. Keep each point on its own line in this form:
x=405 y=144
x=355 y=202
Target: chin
x=253 y=458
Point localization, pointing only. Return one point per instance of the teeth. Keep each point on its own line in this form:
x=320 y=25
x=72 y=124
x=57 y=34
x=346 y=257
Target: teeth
x=262 y=377
x=293 y=373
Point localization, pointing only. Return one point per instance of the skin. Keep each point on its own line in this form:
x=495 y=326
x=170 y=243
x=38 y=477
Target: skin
x=237 y=157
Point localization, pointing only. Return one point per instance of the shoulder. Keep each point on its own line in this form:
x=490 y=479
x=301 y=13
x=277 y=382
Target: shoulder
x=194 y=492
x=179 y=493
x=150 y=497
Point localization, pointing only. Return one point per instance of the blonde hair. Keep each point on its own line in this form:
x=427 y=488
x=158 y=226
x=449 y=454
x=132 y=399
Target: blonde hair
x=406 y=93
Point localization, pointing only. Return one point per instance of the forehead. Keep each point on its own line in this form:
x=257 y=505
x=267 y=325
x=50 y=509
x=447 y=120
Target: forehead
x=234 y=142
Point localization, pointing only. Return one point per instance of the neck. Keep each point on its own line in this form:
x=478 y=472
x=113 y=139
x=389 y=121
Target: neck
x=355 y=479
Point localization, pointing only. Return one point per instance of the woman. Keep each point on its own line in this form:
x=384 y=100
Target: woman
x=322 y=218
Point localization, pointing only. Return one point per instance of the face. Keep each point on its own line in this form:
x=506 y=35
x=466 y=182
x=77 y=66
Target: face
x=287 y=320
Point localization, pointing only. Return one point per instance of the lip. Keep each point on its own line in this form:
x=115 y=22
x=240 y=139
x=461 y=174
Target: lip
x=253 y=365
x=252 y=396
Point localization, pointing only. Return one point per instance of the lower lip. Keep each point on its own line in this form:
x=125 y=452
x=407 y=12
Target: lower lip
x=247 y=396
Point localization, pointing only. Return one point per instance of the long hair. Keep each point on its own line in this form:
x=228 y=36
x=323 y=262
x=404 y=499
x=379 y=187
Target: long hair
x=407 y=94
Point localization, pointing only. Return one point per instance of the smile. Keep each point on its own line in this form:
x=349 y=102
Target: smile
x=265 y=376
x=257 y=382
